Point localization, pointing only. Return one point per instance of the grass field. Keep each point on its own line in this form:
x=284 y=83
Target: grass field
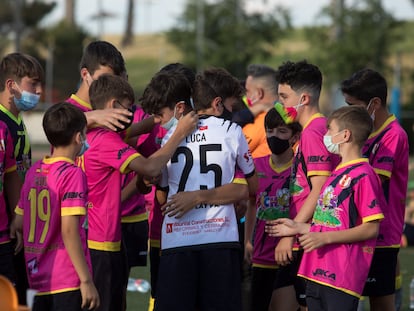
x=139 y=302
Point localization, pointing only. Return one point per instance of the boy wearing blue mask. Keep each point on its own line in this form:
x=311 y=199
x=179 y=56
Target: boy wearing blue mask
x=21 y=79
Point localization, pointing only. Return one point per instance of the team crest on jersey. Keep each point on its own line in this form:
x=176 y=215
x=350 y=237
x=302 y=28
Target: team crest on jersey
x=33 y=266
x=345 y=181
x=203 y=127
x=326 y=212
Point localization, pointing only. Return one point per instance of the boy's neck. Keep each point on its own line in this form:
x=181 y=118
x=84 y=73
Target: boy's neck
x=279 y=160
x=64 y=152
x=349 y=152
x=381 y=116
x=83 y=92
x=307 y=113
x=6 y=101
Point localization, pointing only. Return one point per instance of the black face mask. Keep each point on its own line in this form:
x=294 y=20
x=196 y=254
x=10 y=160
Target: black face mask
x=126 y=124
x=277 y=145
x=226 y=115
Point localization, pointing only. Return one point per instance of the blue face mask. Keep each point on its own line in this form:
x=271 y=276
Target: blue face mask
x=85 y=146
x=171 y=123
x=27 y=101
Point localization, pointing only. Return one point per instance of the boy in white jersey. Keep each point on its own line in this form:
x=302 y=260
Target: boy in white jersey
x=200 y=265
x=107 y=158
x=387 y=151
x=339 y=242
x=50 y=213
x=271 y=201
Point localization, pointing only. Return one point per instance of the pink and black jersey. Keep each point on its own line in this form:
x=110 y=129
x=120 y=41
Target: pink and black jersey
x=311 y=159
x=105 y=161
x=81 y=104
x=351 y=196
x=134 y=208
x=205 y=159
x=54 y=188
x=8 y=164
x=272 y=202
x=387 y=151
x=20 y=140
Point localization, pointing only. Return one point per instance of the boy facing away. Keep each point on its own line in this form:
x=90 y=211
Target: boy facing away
x=345 y=223
x=200 y=265
x=51 y=208
x=106 y=160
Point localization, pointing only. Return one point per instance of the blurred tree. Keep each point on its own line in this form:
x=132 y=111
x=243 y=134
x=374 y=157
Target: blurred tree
x=358 y=35
x=128 y=36
x=19 y=18
x=223 y=34
x=70 y=12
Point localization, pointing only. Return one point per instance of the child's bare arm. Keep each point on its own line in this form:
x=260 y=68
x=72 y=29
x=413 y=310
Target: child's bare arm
x=73 y=245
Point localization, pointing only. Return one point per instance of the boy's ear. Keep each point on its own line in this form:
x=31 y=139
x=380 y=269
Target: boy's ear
x=180 y=107
x=84 y=73
x=294 y=139
x=217 y=105
x=376 y=103
x=9 y=86
x=260 y=93
x=78 y=138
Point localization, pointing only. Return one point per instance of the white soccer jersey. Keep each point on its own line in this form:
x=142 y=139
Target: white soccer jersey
x=206 y=159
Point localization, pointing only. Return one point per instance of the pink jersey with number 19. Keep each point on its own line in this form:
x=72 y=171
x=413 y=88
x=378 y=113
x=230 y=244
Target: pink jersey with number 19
x=54 y=188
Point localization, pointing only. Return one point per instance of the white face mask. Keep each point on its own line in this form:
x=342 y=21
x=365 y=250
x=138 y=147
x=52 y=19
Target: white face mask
x=331 y=146
x=373 y=112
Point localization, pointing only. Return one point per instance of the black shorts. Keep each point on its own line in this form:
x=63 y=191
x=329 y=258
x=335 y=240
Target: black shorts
x=154 y=255
x=381 y=276
x=320 y=297
x=409 y=233
x=135 y=239
x=287 y=276
x=66 y=301
x=110 y=276
x=262 y=288
x=207 y=279
x=6 y=261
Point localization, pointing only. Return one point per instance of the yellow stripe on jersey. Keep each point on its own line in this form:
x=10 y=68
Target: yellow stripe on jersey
x=73 y=211
x=134 y=218
x=124 y=167
x=19 y=211
x=155 y=243
x=257 y=265
x=373 y=218
x=11 y=169
x=105 y=246
x=241 y=181
x=70 y=289
x=383 y=172
x=318 y=173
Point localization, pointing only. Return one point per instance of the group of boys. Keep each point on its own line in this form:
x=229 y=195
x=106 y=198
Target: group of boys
x=313 y=199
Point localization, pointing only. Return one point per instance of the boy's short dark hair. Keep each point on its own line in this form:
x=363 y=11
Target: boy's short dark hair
x=61 y=122
x=180 y=68
x=212 y=83
x=166 y=89
x=301 y=76
x=273 y=120
x=17 y=66
x=102 y=53
x=266 y=74
x=366 y=84
x=108 y=87
x=356 y=119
